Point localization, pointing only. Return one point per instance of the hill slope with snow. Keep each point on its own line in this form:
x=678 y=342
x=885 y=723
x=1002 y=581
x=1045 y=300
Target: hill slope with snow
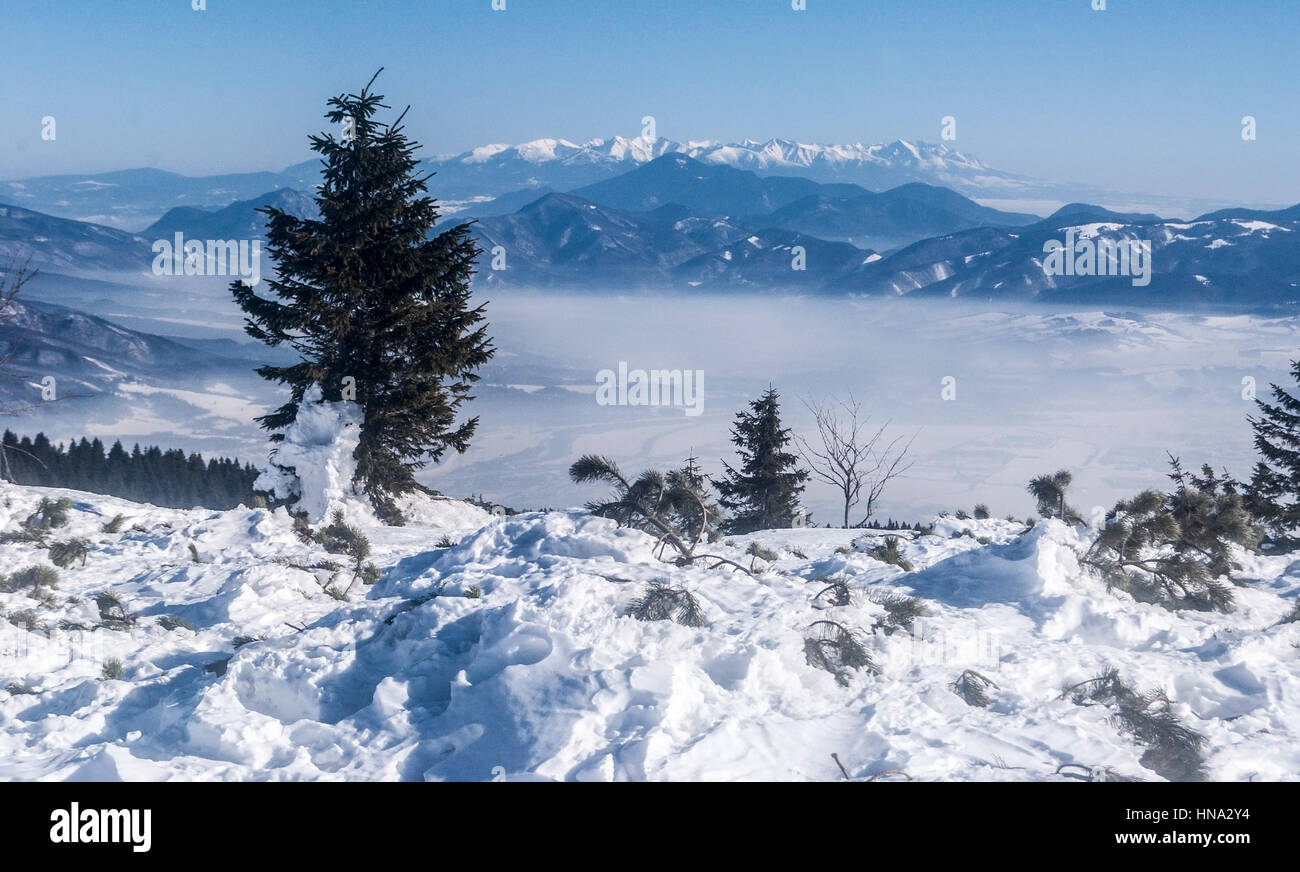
x=510 y=655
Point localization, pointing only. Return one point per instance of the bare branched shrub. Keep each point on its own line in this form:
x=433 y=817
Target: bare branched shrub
x=661 y=602
x=674 y=507
x=833 y=647
x=1174 y=750
x=39 y=578
x=973 y=688
x=834 y=592
x=64 y=554
x=890 y=551
x=112 y=611
x=901 y=611
x=850 y=456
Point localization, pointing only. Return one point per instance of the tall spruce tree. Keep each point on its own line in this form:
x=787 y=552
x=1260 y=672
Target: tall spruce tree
x=1273 y=494
x=764 y=492
x=377 y=310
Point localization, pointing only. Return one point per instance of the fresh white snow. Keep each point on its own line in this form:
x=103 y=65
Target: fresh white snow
x=314 y=462
x=543 y=676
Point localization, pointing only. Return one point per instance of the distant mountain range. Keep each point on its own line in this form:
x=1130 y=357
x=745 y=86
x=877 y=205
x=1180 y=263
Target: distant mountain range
x=239 y=220
x=675 y=222
x=563 y=165
x=134 y=199
x=1238 y=257
x=836 y=211
x=121 y=383
x=65 y=245
x=81 y=248
x=44 y=339
x=96 y=360
x=564 y=241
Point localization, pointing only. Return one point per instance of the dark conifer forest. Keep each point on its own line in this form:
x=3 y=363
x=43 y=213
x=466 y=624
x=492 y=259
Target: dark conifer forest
x=149 y=475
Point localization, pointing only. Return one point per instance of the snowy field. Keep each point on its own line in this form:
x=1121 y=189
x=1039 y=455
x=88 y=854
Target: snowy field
x=542 y=676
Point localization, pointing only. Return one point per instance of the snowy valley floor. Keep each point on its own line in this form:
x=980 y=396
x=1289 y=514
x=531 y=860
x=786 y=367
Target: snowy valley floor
x=543 y=676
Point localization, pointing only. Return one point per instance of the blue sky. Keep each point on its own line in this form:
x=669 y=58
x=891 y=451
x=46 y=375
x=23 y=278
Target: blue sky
x=1146 y=96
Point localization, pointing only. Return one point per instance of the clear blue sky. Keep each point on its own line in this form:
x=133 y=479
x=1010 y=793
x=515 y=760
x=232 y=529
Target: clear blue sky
x=1147 y=95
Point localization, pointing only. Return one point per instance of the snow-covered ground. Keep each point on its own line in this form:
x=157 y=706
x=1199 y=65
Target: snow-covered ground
x=543 y=676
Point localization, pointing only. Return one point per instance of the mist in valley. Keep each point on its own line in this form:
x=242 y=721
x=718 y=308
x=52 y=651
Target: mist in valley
x=1031 y=389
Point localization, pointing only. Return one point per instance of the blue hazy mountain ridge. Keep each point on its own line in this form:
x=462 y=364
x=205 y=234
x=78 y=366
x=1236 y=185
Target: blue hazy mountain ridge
x=239 y=220
x=707 y=189
x=125 y=384
x=834 y=212
x=738 y=230
x=89 y=356
x=1242 y=258
x=837 y=212
x=133 y=199
x=565 y=241
x=561 y=165
x=61 y=244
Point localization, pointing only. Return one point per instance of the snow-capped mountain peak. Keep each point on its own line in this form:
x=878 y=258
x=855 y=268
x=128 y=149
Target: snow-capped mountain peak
x=482 y=153
x=772 y=155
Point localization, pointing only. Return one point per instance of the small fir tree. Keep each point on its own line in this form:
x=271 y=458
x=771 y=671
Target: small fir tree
x=1273 y=494
x=764 y=492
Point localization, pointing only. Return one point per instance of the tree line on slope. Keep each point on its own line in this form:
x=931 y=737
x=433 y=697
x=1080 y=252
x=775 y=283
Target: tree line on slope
x=147 y=475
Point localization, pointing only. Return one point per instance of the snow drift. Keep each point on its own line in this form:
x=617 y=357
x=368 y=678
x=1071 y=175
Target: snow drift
x=510 y=656
x=314 y=465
